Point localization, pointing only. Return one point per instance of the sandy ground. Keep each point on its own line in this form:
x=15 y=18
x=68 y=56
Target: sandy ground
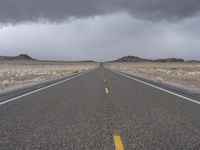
x=186 y=75
x=16 y=74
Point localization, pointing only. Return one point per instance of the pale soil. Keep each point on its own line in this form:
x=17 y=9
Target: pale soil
x=182 y=74
x=14 y=73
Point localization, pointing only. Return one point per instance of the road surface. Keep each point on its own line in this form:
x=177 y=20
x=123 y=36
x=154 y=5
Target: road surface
x=100 y=110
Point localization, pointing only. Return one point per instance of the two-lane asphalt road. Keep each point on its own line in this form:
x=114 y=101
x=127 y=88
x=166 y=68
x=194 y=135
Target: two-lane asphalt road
x=100 y=110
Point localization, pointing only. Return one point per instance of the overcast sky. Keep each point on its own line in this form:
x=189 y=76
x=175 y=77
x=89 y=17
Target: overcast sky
x=100 y=29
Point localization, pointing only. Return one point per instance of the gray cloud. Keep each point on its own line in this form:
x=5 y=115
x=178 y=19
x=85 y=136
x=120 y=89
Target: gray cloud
x=103 y=38
x=17 y=11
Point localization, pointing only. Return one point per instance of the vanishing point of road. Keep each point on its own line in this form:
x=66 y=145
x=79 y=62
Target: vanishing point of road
x=99 y=110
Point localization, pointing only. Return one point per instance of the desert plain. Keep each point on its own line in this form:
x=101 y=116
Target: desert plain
x=22 y=73
x=181 y=74
x=18 y=73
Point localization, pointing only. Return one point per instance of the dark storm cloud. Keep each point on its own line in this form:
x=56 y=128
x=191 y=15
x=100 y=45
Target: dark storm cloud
x=103 y=38
x=16 y=11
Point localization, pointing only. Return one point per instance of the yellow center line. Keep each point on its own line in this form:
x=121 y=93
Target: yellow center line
x=106 y=90
x=118 y=142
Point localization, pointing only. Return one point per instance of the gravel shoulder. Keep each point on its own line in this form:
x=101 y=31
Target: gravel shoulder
x=20 y=74
x=185 y=76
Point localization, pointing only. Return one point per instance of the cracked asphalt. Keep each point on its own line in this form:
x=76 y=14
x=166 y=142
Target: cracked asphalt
x=79 y=115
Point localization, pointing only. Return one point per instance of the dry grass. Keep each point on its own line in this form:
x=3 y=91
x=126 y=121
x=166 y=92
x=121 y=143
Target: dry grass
x=186 y=74
x=18 y=72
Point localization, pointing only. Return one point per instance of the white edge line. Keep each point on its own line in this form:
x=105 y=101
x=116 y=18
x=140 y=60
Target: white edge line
x=170 y=92
x=43 y=88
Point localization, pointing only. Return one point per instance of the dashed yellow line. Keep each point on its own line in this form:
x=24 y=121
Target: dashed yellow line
x=118 y=142
x=106 y=90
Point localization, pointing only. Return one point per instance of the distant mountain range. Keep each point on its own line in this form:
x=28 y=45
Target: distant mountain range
x=27 y=57
x=138 y=59
x=123 y=59
x=19 y=57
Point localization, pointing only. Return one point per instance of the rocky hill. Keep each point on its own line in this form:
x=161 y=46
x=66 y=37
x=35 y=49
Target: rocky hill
x=138 y=59
x=19 y=57
x=131 y=59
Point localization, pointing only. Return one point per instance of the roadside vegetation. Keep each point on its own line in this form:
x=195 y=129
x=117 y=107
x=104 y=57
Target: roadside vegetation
x=186 y=74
